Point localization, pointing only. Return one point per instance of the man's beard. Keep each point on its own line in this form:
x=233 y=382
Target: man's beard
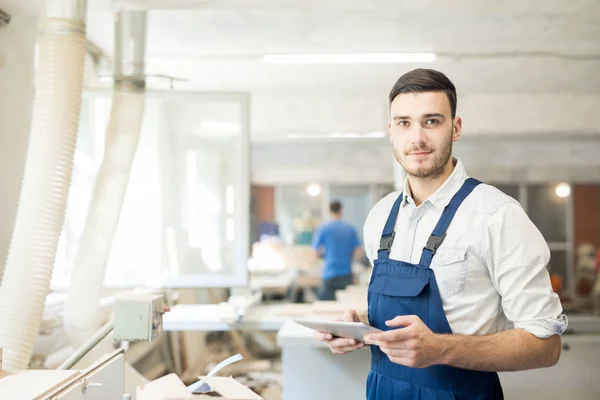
x=433 y=170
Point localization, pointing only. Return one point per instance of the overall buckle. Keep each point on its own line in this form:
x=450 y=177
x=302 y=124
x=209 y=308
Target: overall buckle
x=386 y=242
x=434 y=242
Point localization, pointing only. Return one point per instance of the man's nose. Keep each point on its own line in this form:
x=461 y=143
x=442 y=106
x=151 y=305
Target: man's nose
x=418 y=135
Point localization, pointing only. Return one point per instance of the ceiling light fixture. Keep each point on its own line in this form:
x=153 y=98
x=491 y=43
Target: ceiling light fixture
x=349 y=58
x=563 y=190
x=313 y=190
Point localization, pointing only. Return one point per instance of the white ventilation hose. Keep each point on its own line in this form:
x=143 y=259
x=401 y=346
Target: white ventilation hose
x=45 y=187
x=82 y=317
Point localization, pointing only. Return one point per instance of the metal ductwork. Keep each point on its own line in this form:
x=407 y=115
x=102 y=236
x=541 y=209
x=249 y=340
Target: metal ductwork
x=82 y=318
x=46 y=180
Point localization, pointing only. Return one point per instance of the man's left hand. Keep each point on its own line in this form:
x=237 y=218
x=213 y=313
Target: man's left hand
x=414 y=345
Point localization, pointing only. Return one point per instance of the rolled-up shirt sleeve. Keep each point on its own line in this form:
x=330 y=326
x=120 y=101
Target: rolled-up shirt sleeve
x=517 y=256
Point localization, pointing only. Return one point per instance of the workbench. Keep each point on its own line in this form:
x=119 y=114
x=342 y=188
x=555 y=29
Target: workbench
x=262 y=317
x=215 y=317
x=273 y=283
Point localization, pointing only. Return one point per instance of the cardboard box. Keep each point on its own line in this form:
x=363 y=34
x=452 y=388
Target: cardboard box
x=170 y=387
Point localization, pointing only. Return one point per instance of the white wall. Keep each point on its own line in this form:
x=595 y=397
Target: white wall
x=506 y=136
x=16 y=99
x=278 y=114
x=492 y=158
x=519 y=114
x=343 y=161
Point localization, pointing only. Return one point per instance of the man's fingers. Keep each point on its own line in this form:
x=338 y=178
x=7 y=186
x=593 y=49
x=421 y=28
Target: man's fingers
x=351 y=316
x=402 y=320
x=393 y=335
x=390 y=345
x=346 y=349
x=398 y=353
x=379 y=343
x=322 y=336
x=342 y=345
x=342 y=342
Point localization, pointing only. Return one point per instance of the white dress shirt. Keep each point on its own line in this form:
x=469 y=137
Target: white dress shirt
x=490 y=268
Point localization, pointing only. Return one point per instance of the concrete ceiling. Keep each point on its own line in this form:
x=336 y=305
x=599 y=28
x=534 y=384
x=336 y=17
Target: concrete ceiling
x=534 y=48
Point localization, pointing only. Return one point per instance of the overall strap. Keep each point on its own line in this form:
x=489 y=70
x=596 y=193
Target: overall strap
x=387 y=238
x=439 y=232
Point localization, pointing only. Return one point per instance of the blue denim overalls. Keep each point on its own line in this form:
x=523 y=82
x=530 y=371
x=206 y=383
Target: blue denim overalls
x=400 y=288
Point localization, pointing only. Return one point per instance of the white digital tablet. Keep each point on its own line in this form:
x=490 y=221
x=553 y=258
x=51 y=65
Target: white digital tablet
x=350 y=330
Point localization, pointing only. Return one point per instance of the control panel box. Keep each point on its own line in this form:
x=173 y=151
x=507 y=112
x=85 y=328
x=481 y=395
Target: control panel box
x=138 y=317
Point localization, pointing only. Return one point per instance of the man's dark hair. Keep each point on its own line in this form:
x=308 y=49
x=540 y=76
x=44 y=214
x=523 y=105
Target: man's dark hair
x=425 y=80
x=335 y=207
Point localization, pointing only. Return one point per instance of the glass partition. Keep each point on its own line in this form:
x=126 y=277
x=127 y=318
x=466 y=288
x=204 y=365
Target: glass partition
x=298 y=212
x=184 y=220
x=356 y=204
x=548 y=211
x=301 y=208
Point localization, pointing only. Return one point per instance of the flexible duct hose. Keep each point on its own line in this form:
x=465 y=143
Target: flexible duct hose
x=41 y=210
x=82 y=317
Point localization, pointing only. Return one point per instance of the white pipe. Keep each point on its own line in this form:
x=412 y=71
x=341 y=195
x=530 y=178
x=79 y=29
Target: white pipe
x=88 y=345
x=68 y=9
x=82 y=316
x=41 y=210
x=130 y=47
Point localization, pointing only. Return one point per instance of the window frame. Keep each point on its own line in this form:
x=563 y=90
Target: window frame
x=238 y=275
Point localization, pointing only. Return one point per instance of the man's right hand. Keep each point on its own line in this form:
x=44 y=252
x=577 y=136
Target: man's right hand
x=342 y=345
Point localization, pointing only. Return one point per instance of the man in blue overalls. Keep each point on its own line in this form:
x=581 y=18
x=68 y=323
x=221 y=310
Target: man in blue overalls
x=454 y=261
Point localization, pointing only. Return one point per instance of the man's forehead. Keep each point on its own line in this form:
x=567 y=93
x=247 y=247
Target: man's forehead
x=418 y=104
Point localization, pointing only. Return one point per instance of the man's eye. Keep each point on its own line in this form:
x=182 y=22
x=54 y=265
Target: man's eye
x=402 y=123
x=432 y=122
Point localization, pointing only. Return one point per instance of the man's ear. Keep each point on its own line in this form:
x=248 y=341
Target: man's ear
x=456 y=128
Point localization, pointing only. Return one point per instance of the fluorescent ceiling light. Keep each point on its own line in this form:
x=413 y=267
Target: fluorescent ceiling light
x=350 y=58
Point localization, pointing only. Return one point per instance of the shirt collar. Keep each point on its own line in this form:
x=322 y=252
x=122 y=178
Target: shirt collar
x=441 y=197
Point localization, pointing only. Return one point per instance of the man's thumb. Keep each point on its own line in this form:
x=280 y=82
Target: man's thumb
x=400 y=320
x=350 y=316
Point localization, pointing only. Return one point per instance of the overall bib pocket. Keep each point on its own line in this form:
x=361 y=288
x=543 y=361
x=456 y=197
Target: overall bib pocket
x=395 y=295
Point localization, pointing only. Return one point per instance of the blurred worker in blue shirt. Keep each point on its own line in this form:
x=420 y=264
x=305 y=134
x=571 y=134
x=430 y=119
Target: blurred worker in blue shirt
x=337 y=243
